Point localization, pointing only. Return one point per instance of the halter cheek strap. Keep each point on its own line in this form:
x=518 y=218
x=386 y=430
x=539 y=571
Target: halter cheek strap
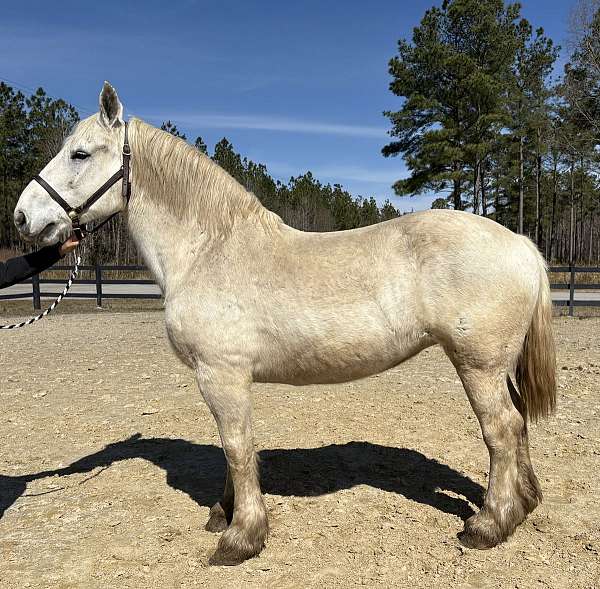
x=75 y=213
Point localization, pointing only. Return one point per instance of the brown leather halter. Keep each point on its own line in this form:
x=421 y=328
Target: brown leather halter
x=75 y=213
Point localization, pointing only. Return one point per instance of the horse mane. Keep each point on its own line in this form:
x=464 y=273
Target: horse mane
x=189 y=184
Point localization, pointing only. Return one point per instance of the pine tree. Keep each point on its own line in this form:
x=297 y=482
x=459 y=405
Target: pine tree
x=388 y=211
x=50 y=121
x=530 y=114
x=229 y=160
x=32 y=131
x=170 y=127
x=200 y=145
x=452 y=76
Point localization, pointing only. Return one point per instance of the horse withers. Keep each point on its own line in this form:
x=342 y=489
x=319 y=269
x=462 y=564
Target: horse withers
x=250 y=299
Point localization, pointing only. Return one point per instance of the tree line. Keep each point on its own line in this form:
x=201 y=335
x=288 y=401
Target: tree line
x=487 y=125
x=32 y=129
x=484 y=123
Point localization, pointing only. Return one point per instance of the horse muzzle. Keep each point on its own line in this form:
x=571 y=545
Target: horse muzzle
x=44 y=231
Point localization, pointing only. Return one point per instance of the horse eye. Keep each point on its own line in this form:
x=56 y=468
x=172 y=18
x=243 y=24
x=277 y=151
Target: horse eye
x=80 y=155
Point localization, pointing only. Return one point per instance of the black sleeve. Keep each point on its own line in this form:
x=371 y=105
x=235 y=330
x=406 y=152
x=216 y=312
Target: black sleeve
x=21 y=268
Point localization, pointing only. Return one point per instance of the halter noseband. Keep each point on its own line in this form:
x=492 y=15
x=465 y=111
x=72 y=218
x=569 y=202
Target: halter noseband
x=75 y=213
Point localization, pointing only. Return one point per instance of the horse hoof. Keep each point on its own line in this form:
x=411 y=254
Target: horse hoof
x=237 y=545
x=217 y=521
x=480 y=532
x=475 y=541
x=225 y=558
x=230 y=556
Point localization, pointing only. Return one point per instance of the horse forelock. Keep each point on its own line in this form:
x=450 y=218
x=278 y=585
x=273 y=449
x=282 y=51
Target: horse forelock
x=88 y=129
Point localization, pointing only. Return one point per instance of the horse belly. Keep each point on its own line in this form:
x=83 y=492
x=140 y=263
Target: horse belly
x=337 y=357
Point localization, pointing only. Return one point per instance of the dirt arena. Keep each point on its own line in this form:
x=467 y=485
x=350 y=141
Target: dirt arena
x=110 y=461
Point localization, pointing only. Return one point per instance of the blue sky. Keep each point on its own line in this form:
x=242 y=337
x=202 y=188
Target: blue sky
x=294 y=85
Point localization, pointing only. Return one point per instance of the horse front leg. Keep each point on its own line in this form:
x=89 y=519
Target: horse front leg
x=228 y=398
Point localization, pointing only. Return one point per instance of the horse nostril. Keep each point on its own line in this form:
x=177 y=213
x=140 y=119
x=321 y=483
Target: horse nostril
x=20 y=219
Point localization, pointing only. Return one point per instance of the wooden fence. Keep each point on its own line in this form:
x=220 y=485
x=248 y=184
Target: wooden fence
x=99 y=280
x=572 y=286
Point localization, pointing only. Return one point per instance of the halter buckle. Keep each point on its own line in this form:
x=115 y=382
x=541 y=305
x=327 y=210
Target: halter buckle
x=80 y=232
x=73 y=215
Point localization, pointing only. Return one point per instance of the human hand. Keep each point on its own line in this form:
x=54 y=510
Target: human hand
x=68 y=246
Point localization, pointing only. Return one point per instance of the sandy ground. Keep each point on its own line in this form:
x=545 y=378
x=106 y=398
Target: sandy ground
x=110 y=461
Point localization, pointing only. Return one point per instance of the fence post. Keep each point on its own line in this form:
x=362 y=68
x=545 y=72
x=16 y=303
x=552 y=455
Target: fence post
x=35 y=283
x=98 y=286
x=571 y=289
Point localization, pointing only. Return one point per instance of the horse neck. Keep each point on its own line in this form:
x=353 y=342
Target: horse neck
x=182 y=202
x=188 y=184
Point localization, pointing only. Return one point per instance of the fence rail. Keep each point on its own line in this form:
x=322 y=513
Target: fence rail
x=572 y=286
x=99 y=281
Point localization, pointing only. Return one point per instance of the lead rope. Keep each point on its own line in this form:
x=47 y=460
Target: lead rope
x=53 y=306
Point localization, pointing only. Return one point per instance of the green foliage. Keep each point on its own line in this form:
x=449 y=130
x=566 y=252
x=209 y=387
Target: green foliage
x=452 y=78
x=581 y=87
x=32 y=130
x=170 y=127
x=200 y=145
x=439 y=203
x=483 y=122
x=50 y=122
x=304 y=202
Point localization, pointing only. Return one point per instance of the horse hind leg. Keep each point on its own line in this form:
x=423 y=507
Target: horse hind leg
x=513 y=489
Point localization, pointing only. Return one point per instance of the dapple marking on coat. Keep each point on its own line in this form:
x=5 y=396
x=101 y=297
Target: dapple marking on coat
x=250 y=299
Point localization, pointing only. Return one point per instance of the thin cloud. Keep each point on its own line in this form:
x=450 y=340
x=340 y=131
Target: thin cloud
x=268 y=123
x=360 y=174
x=340 y=173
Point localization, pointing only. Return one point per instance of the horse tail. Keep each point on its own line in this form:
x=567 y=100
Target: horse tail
x=536 y=365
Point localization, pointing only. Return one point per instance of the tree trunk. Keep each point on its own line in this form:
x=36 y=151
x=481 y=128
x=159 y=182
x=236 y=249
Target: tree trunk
x=590 y=250
x=554 y=199
x=497 y=215
x=581 y=212
x=521 y=187
x=476 y=183
x=572 y=215
x=456 y=196
x=484 y=205
x=538 y=175
x=4 y=238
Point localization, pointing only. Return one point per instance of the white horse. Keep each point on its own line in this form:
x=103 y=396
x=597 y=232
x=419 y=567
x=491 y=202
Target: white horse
x=250 y=299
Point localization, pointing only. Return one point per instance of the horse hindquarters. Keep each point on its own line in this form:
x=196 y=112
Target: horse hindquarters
x=502 y=411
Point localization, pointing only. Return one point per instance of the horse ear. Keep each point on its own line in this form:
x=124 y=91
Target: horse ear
x=111 y=109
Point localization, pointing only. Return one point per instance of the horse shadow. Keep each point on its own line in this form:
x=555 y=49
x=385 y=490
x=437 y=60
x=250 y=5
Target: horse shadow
x=199 y=471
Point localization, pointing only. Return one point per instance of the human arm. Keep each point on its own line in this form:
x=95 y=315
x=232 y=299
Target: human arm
x=24 y=267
